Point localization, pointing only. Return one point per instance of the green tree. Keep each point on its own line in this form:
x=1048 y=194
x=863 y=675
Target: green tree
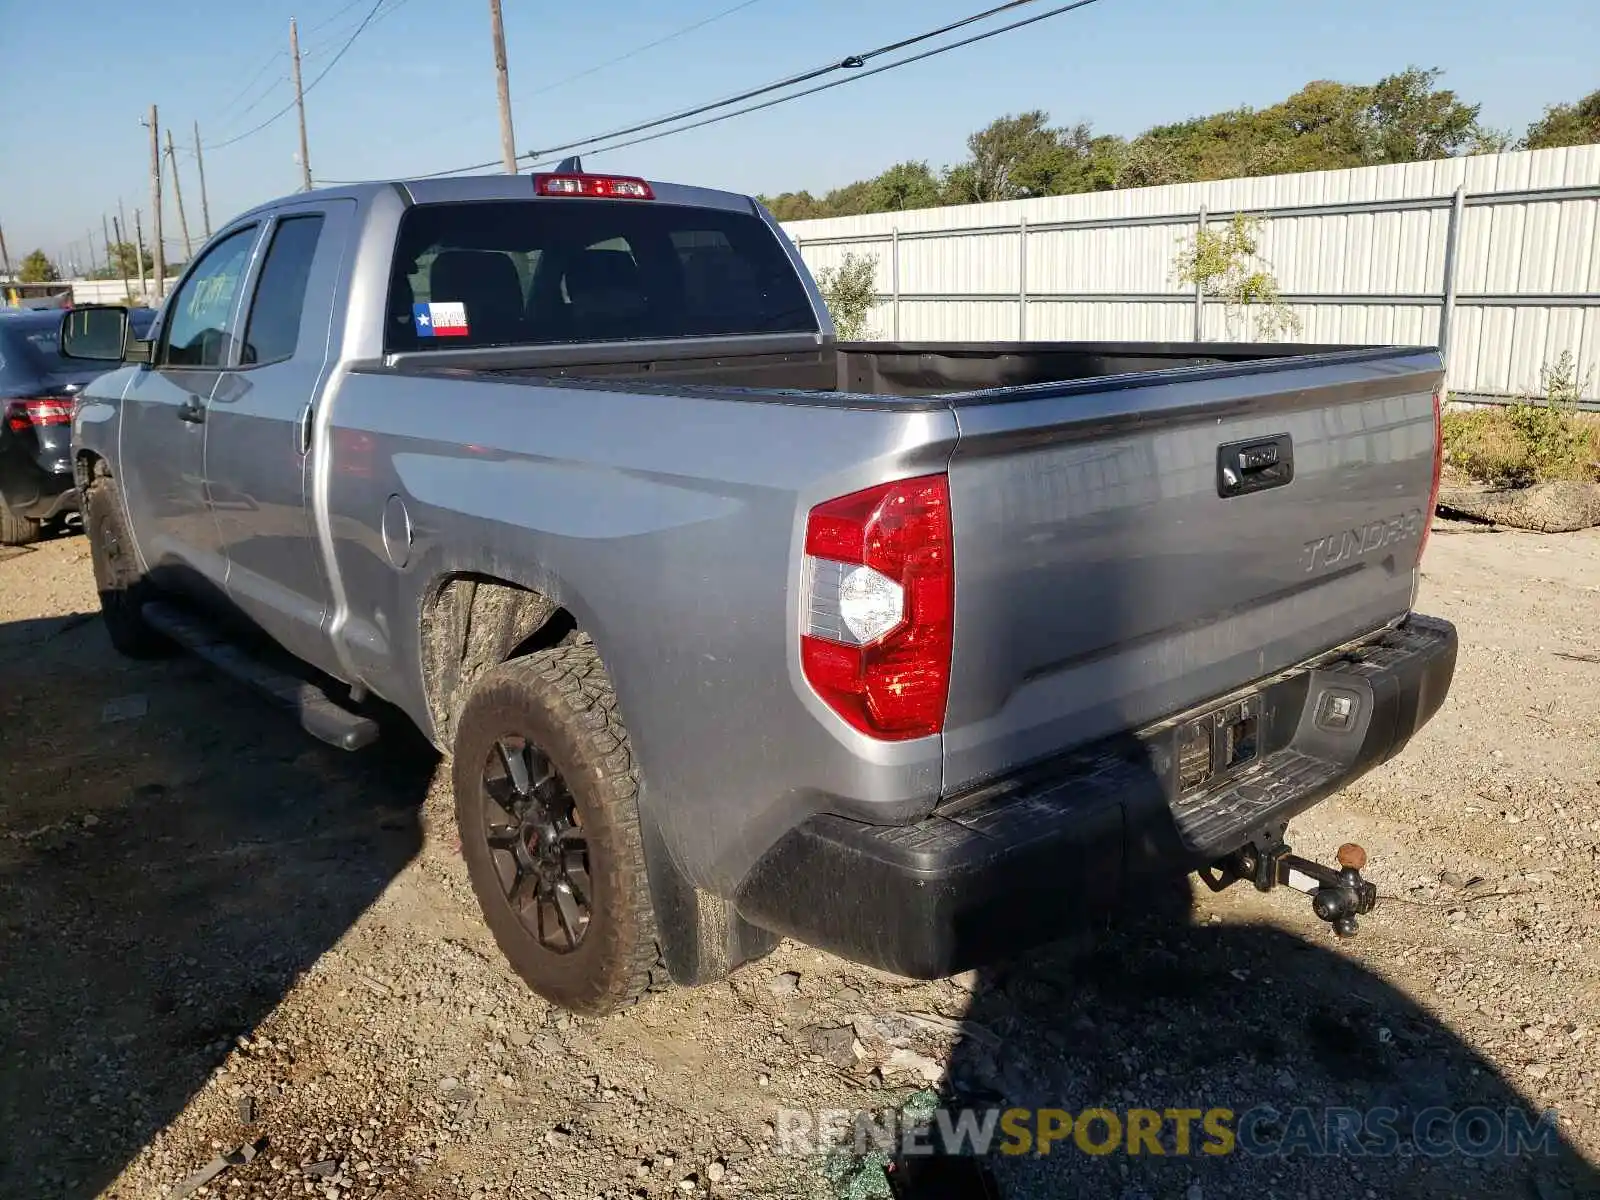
x=124 y=262
x=1012 y=158
x=1324 y=126
x=125 y=259
x=37 y=268
x=1409 y=119
x=1149 y=162
x=1566 y=125
x=793 y=206
x=851 y=200
x=904 y=186
x=1488 y=140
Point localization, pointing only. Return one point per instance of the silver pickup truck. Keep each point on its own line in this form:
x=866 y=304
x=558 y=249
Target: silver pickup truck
x=922 y=653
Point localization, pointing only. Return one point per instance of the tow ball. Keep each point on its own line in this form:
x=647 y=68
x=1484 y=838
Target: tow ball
x=1338 y=894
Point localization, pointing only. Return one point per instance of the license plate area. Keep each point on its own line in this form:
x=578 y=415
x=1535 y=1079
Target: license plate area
x=1216 y=746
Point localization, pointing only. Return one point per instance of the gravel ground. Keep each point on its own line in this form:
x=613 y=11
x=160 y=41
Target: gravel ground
x=218 y=935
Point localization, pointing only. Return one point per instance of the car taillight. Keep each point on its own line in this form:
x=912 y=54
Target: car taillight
x=41 y=410
x=878 y=605
x=602 y=187
x=1438 y=472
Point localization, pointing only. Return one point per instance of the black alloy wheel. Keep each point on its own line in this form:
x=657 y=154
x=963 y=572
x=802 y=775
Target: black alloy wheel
x=537 y=843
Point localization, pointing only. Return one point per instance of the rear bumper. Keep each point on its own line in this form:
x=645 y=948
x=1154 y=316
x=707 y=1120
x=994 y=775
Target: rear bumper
x=1028 y=859
x=31 y=490
x=49 y=507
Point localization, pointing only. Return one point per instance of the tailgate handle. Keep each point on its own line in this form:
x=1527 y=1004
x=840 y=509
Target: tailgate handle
x=1254 y=466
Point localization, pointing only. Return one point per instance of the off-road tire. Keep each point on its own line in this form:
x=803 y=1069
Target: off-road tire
x=18 y=530
x=561 y=703
x=122 y=586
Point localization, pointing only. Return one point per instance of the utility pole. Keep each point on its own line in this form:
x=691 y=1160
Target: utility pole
x=177 y=194
x=94 y=265
x=502 y=83
x=121 y=259
x=155 y=203
x=105 y=236
x=200 y=162
x=138 y=251
x=5 y=255
x=300 y=103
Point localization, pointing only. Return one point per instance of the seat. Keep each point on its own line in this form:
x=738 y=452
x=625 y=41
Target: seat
x=605 y=295
x=487 y=283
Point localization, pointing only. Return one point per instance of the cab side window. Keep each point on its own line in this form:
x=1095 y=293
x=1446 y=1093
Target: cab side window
x=196 y=334
x=274 y=325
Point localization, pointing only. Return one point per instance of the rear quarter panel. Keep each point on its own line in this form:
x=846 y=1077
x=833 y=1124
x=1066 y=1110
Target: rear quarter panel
x=671 y=526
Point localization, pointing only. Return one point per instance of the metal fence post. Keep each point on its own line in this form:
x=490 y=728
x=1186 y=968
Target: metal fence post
x=894 y=279
x=1199 y=289
x=1452 y=237
x=1022 y=279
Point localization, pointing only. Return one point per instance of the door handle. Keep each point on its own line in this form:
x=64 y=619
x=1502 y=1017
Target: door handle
x=192 y=411
x=1254 y=466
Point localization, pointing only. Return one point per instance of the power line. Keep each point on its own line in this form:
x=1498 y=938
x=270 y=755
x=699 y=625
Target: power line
x=855 y=78
x=850 y=62
x=332 y=17
x=638 y=50
x=249 y=84
x=271 y=87
x=319 y=51
x=273 y=84
x=543 y=156
x=598 y=67
x=372 y=12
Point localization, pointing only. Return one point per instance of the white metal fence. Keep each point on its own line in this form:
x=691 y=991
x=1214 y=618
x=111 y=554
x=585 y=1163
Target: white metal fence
x=1493 y=258
x=105 y=291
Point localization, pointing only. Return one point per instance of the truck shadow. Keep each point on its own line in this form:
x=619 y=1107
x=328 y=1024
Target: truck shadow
x=1287 y=1035
x=172 y=859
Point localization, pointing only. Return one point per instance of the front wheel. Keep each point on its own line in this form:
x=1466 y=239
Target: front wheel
x=117 y=577
x=547 y=806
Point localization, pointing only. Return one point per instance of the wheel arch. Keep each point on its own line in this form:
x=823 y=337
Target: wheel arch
x=470 y=623
x=87 y=466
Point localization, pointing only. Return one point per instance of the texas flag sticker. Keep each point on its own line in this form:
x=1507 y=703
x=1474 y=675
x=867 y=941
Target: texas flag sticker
x=446 y=318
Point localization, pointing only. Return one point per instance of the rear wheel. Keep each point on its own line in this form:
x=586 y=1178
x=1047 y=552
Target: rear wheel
x=122 y=586
x=17 y=530
x=547 y=805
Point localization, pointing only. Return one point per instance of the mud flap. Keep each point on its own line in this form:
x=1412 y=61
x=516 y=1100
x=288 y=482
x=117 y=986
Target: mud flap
x=703 y=938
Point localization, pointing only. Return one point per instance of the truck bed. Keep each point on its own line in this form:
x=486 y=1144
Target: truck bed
x=1104 y=578
x=956 y=372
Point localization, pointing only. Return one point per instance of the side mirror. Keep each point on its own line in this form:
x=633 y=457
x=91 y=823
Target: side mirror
x=99 y=333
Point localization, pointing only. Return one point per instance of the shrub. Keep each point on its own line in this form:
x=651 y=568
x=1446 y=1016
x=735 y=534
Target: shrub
x=850 y=291
x=1529 y=441
x=1226 y=264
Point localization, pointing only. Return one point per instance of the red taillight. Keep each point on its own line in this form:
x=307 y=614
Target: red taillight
x=879 y=607
x=1438 y=472
x=41 y=410
x=601 y=187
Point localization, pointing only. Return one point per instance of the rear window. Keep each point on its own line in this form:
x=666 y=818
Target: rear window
x=544 y=272
x=46 y=343
x=20 y=366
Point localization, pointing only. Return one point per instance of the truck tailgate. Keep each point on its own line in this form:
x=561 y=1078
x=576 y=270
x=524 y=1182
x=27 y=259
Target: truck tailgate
x=1105 y=581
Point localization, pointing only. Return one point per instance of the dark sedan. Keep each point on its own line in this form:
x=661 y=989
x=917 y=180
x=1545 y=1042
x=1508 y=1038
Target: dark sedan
x=37 y=387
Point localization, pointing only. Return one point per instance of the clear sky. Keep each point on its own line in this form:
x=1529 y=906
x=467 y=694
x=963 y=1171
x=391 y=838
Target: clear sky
x=415 y=92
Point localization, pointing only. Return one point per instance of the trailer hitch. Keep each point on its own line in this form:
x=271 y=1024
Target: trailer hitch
x=1338 y=894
